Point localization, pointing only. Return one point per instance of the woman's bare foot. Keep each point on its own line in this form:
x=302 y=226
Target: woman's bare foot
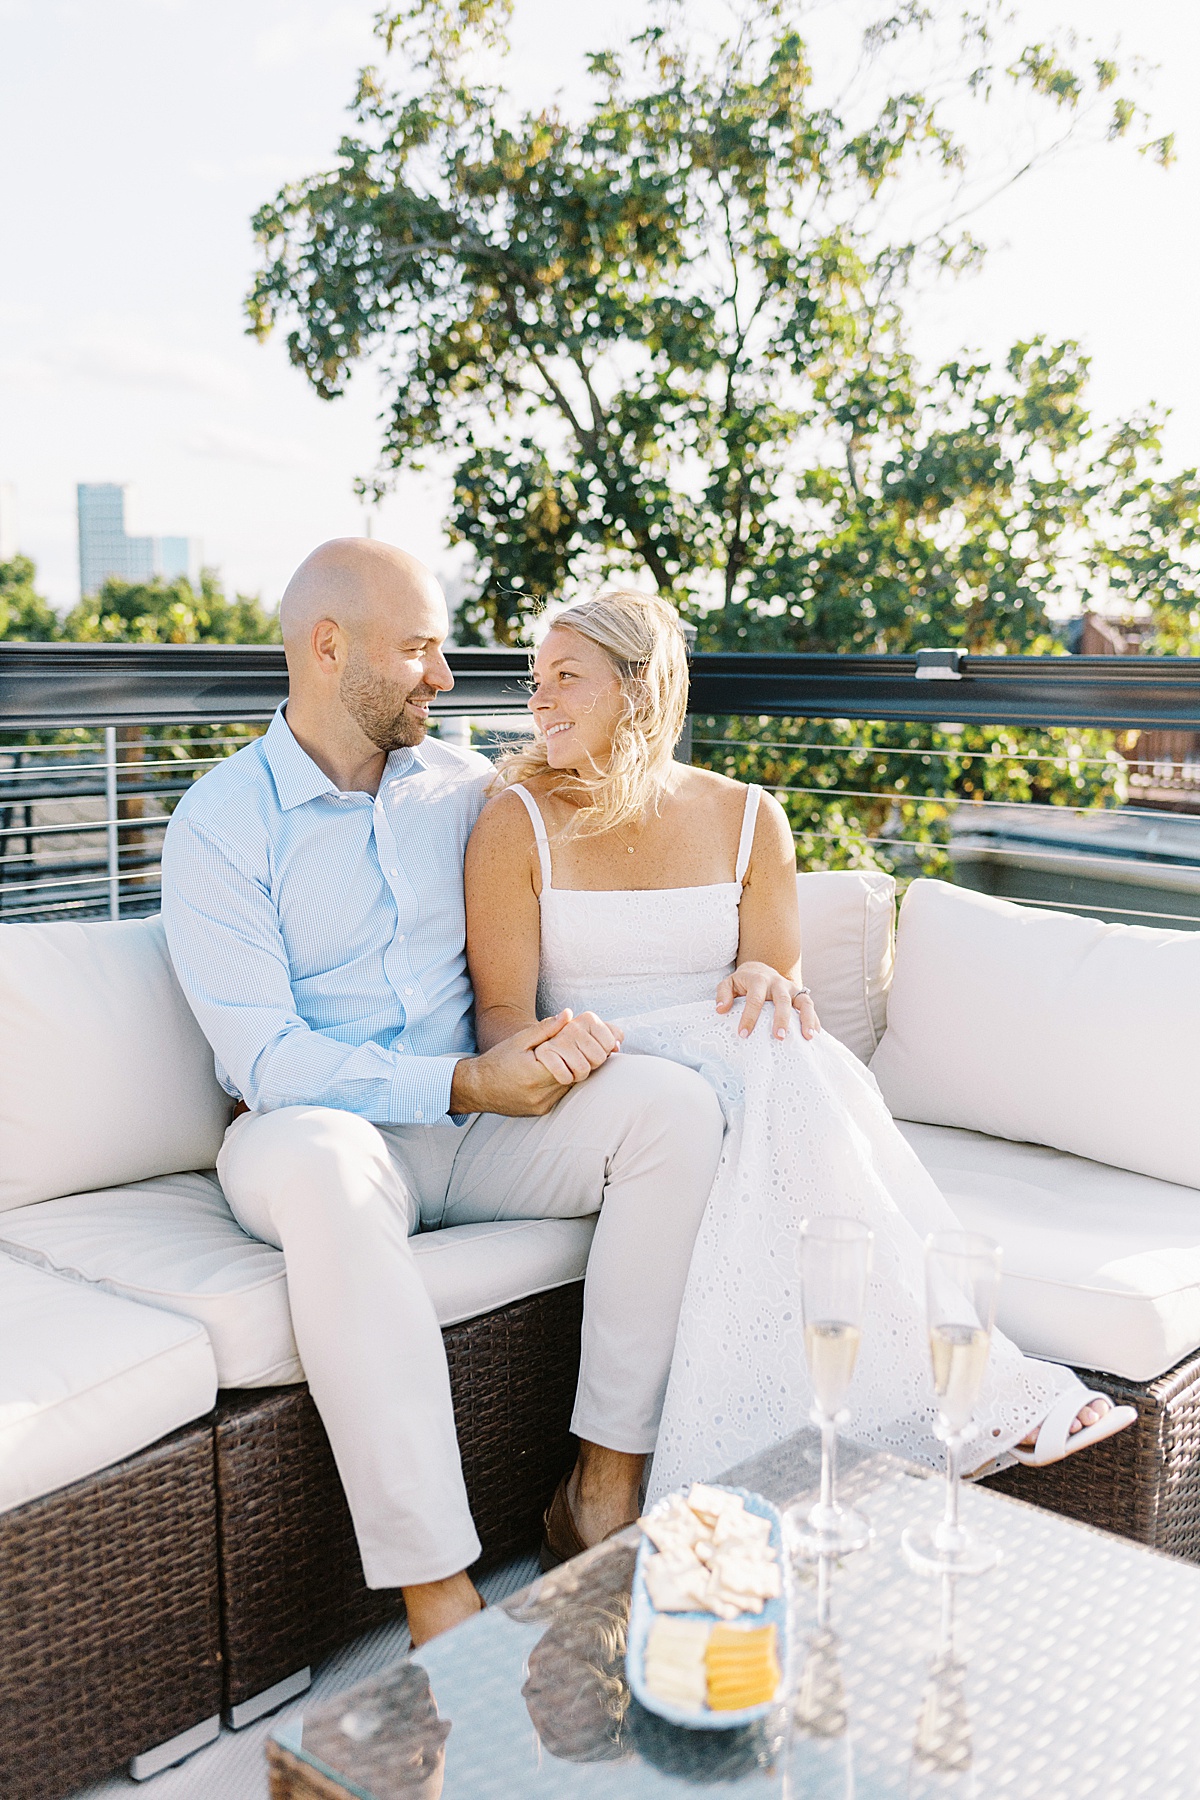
x=436 y=1606
x=1087 y=1416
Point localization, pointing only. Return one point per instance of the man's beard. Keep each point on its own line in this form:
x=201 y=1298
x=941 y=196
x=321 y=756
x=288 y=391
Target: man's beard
x=377 y=705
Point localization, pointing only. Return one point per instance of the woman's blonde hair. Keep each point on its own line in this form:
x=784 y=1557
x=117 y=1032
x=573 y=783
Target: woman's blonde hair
x=643 y=640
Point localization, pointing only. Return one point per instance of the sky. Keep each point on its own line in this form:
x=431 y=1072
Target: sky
x=137 y=137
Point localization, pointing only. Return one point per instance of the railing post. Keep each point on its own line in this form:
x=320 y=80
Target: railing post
x=114 y=849
x=456 y=732
x=683 y=749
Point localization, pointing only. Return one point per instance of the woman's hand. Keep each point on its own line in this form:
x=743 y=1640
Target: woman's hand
x=581 y=1045
x=760 y=984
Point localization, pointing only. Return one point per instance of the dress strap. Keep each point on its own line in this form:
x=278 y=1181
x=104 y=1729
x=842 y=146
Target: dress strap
x=539 y=831
x=749 y=816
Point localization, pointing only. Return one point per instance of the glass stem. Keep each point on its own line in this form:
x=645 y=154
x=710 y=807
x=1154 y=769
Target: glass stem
x=828 y=1462
x=953 y=1451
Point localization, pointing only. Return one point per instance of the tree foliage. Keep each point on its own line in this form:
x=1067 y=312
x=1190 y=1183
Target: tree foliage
x=25 y=615
x=133 y=612
x=667 y=335
x=882 y=794
x=170 y=612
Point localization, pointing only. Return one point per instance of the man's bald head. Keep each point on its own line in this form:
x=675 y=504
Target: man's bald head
x=363 y=624
x=356 y=582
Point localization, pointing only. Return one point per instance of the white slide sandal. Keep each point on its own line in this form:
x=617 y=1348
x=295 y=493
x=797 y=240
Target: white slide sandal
x=1055 y=1439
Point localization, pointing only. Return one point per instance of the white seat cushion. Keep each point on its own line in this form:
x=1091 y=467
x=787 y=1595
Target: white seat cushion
x=86 y=1379
x=473 y=1269
x=174 y=1243
x=847 y=937
x=105 y=1076
x=1046 y=1028
x=1101 y=1266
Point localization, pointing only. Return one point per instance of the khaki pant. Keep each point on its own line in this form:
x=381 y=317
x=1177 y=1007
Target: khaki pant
x=638 y=1141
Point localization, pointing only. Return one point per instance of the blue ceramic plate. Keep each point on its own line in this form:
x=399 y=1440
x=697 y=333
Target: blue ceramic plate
x=642 y=1615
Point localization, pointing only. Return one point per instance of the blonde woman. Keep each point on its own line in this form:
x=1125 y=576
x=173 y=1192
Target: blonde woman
x=610 y=880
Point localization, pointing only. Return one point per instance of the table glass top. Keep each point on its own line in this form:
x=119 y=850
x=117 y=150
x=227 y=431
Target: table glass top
x=1072 y=1670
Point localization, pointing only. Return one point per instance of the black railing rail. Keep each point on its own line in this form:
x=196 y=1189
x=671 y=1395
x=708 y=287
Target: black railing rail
x=53 y=686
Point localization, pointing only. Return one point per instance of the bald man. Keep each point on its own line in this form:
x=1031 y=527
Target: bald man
x=313 y=904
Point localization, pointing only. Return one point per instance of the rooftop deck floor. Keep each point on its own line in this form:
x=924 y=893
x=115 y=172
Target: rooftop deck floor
x=235 y=1767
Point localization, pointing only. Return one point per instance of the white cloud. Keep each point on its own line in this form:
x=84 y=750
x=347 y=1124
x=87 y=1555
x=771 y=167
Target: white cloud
x=127 y=361
x=271 y=171
x=247 y=447
x=296 y=38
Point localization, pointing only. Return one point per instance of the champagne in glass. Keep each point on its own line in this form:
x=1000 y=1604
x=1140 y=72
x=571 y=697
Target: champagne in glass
x=835 y=1260
x=959 y=1354
x=962 y=1275
x=831 y=1346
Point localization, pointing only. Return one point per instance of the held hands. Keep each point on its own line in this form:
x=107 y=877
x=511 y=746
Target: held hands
x=528 y=1073
x=762 y=985
x=582 y=1043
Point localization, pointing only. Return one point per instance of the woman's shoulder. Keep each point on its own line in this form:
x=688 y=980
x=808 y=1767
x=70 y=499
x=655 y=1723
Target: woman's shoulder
x=704 y=787
x=725 y=801
x=504 y=819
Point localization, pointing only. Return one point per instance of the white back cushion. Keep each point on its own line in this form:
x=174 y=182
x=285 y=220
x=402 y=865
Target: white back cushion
x=105 y=1076
x=847 y=937
x=1046 y=1028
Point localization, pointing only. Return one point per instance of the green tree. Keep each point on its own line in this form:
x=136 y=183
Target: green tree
x=169 y=612
x=668 y=334
x=24 y=615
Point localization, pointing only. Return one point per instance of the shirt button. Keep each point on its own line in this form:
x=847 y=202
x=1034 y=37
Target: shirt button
x=408 y=990
x=418 y=1114
x=399 y=937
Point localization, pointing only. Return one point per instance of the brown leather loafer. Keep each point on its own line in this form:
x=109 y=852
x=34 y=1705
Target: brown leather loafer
x=560 y=1539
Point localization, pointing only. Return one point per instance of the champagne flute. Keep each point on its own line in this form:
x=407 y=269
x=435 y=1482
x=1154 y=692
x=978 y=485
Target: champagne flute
x=962 y=1276
x=942 y=1750
x=835 y=1259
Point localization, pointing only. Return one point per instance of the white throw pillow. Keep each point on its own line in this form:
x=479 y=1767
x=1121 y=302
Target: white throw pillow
x=847 y=936
x=1047 y=1028
x=105 y=1076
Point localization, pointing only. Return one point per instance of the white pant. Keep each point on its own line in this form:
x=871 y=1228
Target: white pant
x=639 y=1141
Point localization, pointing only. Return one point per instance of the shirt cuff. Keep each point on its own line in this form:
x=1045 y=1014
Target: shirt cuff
x=421 y=1089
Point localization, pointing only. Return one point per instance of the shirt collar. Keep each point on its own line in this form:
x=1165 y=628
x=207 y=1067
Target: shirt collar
x=295 y=774
x=298 y=779
x=403 y=762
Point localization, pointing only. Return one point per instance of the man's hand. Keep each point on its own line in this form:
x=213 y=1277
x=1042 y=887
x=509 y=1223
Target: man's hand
x=584 y=1043
x=509 y=1078
x=761 y=984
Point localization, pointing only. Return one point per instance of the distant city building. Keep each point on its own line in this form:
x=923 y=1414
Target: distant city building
x=107 y=550
x=8 y=521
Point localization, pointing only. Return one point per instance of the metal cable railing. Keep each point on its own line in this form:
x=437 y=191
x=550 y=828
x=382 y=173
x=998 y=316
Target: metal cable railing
x=1065 y=782
x=81 y=822
x=1042 y=818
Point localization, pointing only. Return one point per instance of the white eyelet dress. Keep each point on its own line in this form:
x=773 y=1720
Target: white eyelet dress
x=807 y=1136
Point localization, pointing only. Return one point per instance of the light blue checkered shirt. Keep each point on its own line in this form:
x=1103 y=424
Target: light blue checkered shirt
x=320 y=937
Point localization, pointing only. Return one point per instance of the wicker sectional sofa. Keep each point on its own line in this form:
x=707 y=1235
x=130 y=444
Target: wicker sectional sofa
x=174 y=1542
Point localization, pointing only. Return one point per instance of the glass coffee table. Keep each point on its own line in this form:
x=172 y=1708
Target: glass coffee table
x=1072 y=1670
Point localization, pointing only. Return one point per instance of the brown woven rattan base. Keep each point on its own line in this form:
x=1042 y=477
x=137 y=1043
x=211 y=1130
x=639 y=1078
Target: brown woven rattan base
x=109 y=1637
x=292 y=1779
x=292 y=1588
x=1145 y=1482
